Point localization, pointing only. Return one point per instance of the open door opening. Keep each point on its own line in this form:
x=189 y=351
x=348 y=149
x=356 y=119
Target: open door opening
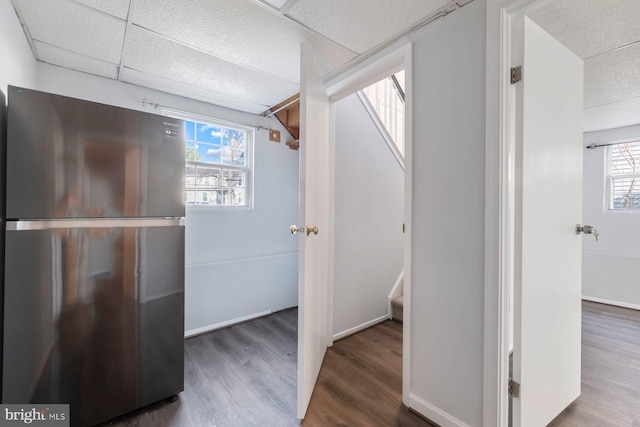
x=369 y=207
x=318 y=293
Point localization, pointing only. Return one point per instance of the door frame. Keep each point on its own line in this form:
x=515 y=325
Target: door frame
x=369 y=71
x=500 y=206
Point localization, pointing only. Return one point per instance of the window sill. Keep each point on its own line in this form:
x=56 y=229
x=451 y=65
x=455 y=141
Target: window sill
x=622 y=211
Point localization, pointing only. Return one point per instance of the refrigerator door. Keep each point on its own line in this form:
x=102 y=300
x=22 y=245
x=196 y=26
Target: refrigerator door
x=94 y=315
x=68 y=158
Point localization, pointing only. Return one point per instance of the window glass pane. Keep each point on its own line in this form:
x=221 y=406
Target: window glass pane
x=208 y=133
x=234 y=197
x=626 y=193
x=625 y=158
x=190 y=152
x=207 y=177
x=389 y=108
x=232 y=178
x=190 y=197
x=190 y=131
x=208 y=153
x=190 y=177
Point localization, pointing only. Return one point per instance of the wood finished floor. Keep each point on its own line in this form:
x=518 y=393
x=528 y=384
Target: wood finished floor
x=610 y=370
x=245 y=375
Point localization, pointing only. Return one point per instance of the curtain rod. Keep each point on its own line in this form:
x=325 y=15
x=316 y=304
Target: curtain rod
x=146 y=103
x=594 y=145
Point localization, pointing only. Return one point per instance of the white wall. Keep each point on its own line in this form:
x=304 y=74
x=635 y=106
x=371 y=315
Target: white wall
x=448 y=218
x=610 y=266
x=369 y=213
x=238 y=263
x=18 y=65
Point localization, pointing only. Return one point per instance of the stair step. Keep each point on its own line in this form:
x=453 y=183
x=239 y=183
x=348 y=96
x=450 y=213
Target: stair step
x=397 y=308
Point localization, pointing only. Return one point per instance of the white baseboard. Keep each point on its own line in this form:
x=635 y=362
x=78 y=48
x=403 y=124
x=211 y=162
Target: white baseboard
x=211 y=328
x=359 y=328
x=433 y=413
x=611 y=302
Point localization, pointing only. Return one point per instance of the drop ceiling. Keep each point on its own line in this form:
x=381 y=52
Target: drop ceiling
x=606 y=35
x=244 y=54
x=241 y=54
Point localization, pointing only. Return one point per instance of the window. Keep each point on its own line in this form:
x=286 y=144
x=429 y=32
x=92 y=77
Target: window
x=217 y=163
x=624 y=176
x=386 y=97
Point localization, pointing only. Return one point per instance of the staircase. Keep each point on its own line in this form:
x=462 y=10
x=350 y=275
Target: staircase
x=397 y=308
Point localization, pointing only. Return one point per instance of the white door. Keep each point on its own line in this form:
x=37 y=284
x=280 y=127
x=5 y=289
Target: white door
x=314 y=211
x=548 y=206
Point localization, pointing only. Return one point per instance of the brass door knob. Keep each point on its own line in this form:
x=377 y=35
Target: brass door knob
x=311 y=229
x=295 y=229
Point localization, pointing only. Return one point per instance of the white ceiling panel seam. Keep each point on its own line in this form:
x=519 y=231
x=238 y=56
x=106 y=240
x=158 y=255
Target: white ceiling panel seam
x=93 y=9
x=187 y=45
x=43 y=43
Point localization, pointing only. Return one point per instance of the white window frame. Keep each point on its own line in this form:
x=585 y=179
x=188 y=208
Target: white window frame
x=610 y=176
x=250 y=133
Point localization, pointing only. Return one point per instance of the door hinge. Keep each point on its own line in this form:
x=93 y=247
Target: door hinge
x=403 y=228
x=516 y=74
x=514 y=388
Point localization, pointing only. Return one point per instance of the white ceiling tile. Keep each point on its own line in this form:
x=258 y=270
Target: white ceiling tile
x=64 y=58
x=612 y=76
x=118 y=8
x=361 y=25
x=169 y=86
x=590 y=27
x=242 y=32
x=609 y=116
x=74 y=27
x=155 y=55
x=275 y=3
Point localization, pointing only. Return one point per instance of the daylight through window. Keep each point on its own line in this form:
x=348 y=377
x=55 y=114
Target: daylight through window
x=624 y=176
x=217 y=164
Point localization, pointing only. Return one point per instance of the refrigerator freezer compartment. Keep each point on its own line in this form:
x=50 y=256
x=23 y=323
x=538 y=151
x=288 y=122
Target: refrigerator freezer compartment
x=68 y=158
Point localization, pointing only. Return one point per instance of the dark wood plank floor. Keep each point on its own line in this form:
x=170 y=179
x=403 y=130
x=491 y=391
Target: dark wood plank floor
x=245 y=375
x=610 y=370
x=360 y=383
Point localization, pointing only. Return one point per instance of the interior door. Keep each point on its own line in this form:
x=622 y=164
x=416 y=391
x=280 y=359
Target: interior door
x=548 y=206
x=314 y=244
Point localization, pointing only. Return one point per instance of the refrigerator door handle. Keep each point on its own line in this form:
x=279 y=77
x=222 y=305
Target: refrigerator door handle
x=47 y=224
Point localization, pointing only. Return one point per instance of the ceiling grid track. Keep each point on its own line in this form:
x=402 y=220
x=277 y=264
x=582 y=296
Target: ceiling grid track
x=127 y=32
x=439 y=13
x=27 y=33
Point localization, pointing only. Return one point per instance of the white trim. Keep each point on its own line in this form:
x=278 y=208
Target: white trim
x=387 y=62
x=383 y=130
x=433 y=413
x=360 y=328
x=391 y=59
x=496 y=340
x=231 y=261
x=332 y=222
x=210 y=328
x=408 y=198
x=396 y=291
x=497 y=213
x=611 y=302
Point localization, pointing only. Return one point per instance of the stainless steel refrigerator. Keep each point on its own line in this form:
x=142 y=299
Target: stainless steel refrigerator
x=94 y=256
